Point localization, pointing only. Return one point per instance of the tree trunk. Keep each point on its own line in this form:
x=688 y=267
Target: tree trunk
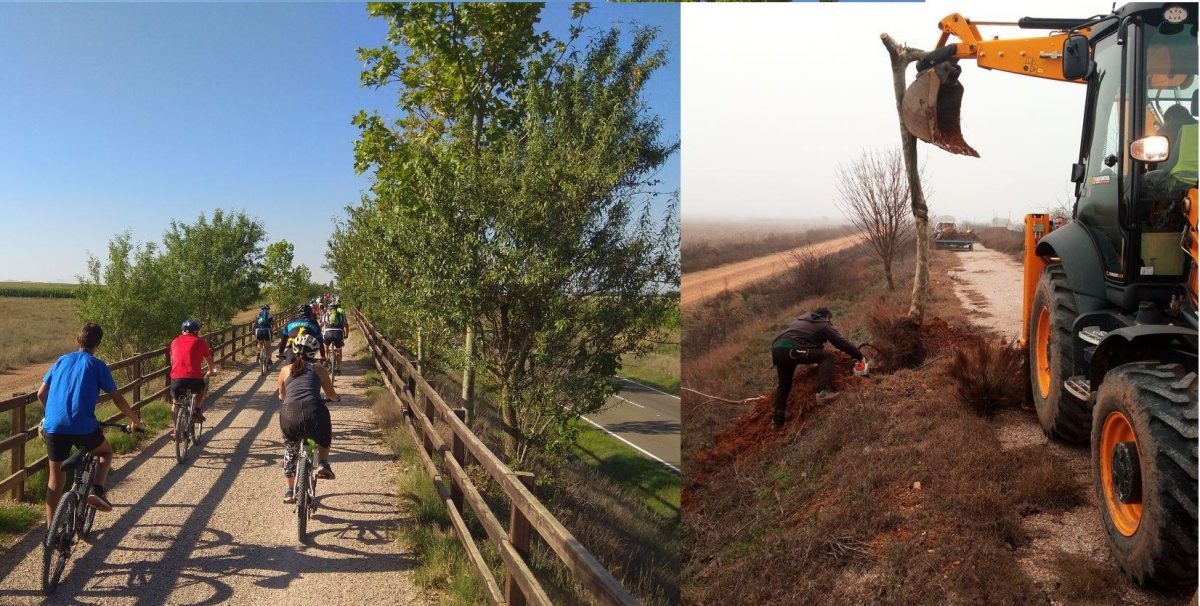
x=901 y=56
x=508 y=423
x=468 y=377
x=887 y=273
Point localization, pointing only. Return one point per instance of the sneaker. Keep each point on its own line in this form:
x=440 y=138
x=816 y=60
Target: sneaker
x=99 y=498
x=289 y=496
x=826 y=394
x=197 y=416
x=325 y=472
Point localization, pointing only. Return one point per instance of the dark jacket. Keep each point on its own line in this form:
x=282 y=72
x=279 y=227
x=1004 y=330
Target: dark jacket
x=811 y=332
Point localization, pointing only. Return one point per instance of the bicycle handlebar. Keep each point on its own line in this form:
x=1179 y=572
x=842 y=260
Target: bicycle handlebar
x=122 y=426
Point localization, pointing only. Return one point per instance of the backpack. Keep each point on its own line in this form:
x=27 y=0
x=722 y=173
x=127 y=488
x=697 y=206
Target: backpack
x=264 y=320
x=334 y=317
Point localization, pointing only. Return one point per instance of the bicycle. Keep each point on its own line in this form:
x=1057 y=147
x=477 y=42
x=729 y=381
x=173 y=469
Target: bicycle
x=73 y=518
x=264 y=358
x=331 y=363
x=187 y=427
x=306 y=487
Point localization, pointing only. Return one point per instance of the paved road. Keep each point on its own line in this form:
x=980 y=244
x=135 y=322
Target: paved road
x=697 y=286
x=215 y=531
x=646 y=419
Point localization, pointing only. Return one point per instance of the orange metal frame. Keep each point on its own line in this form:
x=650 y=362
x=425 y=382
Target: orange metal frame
x=1040 y=57
x=1036 y=226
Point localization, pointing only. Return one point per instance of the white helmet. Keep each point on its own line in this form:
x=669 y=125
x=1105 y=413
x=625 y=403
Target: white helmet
x=305 y=345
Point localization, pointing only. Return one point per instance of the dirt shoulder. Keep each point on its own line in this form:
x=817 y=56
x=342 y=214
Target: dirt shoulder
x=215 y=530
x=700 y=285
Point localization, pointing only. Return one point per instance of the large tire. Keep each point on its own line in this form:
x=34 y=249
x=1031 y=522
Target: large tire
x=1154 y=542
x=1062 y=415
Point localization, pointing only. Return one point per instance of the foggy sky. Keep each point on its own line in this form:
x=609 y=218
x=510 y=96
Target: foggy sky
x=775 y=96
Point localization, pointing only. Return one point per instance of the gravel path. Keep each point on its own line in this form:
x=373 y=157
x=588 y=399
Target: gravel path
x=216 y=531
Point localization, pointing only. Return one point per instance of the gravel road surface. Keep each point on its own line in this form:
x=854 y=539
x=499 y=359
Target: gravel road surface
x=215 y=529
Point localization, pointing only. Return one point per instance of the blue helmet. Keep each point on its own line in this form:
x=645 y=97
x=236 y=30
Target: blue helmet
x=191 y=326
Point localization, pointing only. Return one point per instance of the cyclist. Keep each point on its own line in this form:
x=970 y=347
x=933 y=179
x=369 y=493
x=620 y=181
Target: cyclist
x=305 y=322
x=69 y=394
x=188 y=350
x=304 y=414
x=336 y=330
x=262 y=328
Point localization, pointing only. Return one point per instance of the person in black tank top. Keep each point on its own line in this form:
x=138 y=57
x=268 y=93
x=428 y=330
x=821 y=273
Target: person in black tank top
x=303 y=414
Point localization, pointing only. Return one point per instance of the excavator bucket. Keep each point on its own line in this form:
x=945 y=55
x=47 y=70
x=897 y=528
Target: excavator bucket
x=930 y=108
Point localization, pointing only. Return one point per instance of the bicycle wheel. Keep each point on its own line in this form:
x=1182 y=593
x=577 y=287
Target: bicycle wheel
x=182 y=430
x=197 y=429
x=59 y=540
x=312 y=489
x=301 y=492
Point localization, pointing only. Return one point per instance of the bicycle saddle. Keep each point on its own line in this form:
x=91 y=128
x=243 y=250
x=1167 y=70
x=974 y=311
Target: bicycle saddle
x=74 y=460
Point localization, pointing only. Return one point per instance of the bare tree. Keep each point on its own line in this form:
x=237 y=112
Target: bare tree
x=873 y=194
x=901 y=56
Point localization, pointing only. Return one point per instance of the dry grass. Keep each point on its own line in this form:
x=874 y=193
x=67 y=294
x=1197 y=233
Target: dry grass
x=1084 y=579
x=983 y=372
x=896 y=337
x=1004 y=240
x=36 y=330
x=893 y=494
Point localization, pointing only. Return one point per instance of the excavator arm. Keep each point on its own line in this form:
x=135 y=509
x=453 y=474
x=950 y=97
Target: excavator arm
x=932 y=103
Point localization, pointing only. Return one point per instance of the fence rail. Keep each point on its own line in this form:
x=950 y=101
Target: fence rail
x=224 y=344
x=423 y=407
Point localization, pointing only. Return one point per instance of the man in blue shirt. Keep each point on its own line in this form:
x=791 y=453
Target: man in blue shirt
x=69 y=393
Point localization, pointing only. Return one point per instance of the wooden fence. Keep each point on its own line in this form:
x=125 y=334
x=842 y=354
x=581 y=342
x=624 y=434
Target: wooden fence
x=223 y=343
x=423 y=407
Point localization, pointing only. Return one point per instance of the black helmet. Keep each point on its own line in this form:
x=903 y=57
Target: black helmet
x=305 y=310
x=191 y=326
x=266 y=307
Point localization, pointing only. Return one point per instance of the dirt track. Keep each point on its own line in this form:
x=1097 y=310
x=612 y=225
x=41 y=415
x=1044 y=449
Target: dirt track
x=990 y=284
x=700 y=285
x=215 y=530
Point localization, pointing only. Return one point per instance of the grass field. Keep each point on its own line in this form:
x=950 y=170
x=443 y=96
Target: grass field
x=657 y=368
x=658 y=487
x=35 y=330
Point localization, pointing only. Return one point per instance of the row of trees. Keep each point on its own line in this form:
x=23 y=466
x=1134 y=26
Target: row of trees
x=208 y=271
x=512 y=203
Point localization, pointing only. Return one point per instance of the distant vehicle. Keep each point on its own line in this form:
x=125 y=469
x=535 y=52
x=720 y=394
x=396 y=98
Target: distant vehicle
x=946 y=235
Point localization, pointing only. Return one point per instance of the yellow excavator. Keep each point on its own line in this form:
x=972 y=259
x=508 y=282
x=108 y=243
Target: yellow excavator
x=1109 y=298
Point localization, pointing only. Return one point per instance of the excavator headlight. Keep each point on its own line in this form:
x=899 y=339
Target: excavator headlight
x=1155 y=148
x=1175 y=14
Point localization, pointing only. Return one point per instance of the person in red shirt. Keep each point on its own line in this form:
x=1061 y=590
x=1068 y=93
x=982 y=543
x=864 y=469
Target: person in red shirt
x=188 y=350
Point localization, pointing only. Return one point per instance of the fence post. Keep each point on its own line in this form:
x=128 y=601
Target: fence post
x=137 y=381
x=468 y=380
x=518 y=535
x=18 y=451
x=458 y=449
x=167 y=376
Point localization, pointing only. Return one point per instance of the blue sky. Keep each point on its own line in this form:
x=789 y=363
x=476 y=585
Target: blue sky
x=125 y=116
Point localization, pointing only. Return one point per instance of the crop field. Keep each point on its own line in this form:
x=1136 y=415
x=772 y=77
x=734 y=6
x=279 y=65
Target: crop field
x=35 y=330
x=44 y=290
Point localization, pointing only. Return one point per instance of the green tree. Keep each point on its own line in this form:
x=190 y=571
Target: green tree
x=128 y=296
x=286 y=286
x=217 y=264
x=207 y=271
x=528 y=222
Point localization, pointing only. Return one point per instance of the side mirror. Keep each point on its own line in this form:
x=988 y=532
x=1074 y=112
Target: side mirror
x=1076 y=59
